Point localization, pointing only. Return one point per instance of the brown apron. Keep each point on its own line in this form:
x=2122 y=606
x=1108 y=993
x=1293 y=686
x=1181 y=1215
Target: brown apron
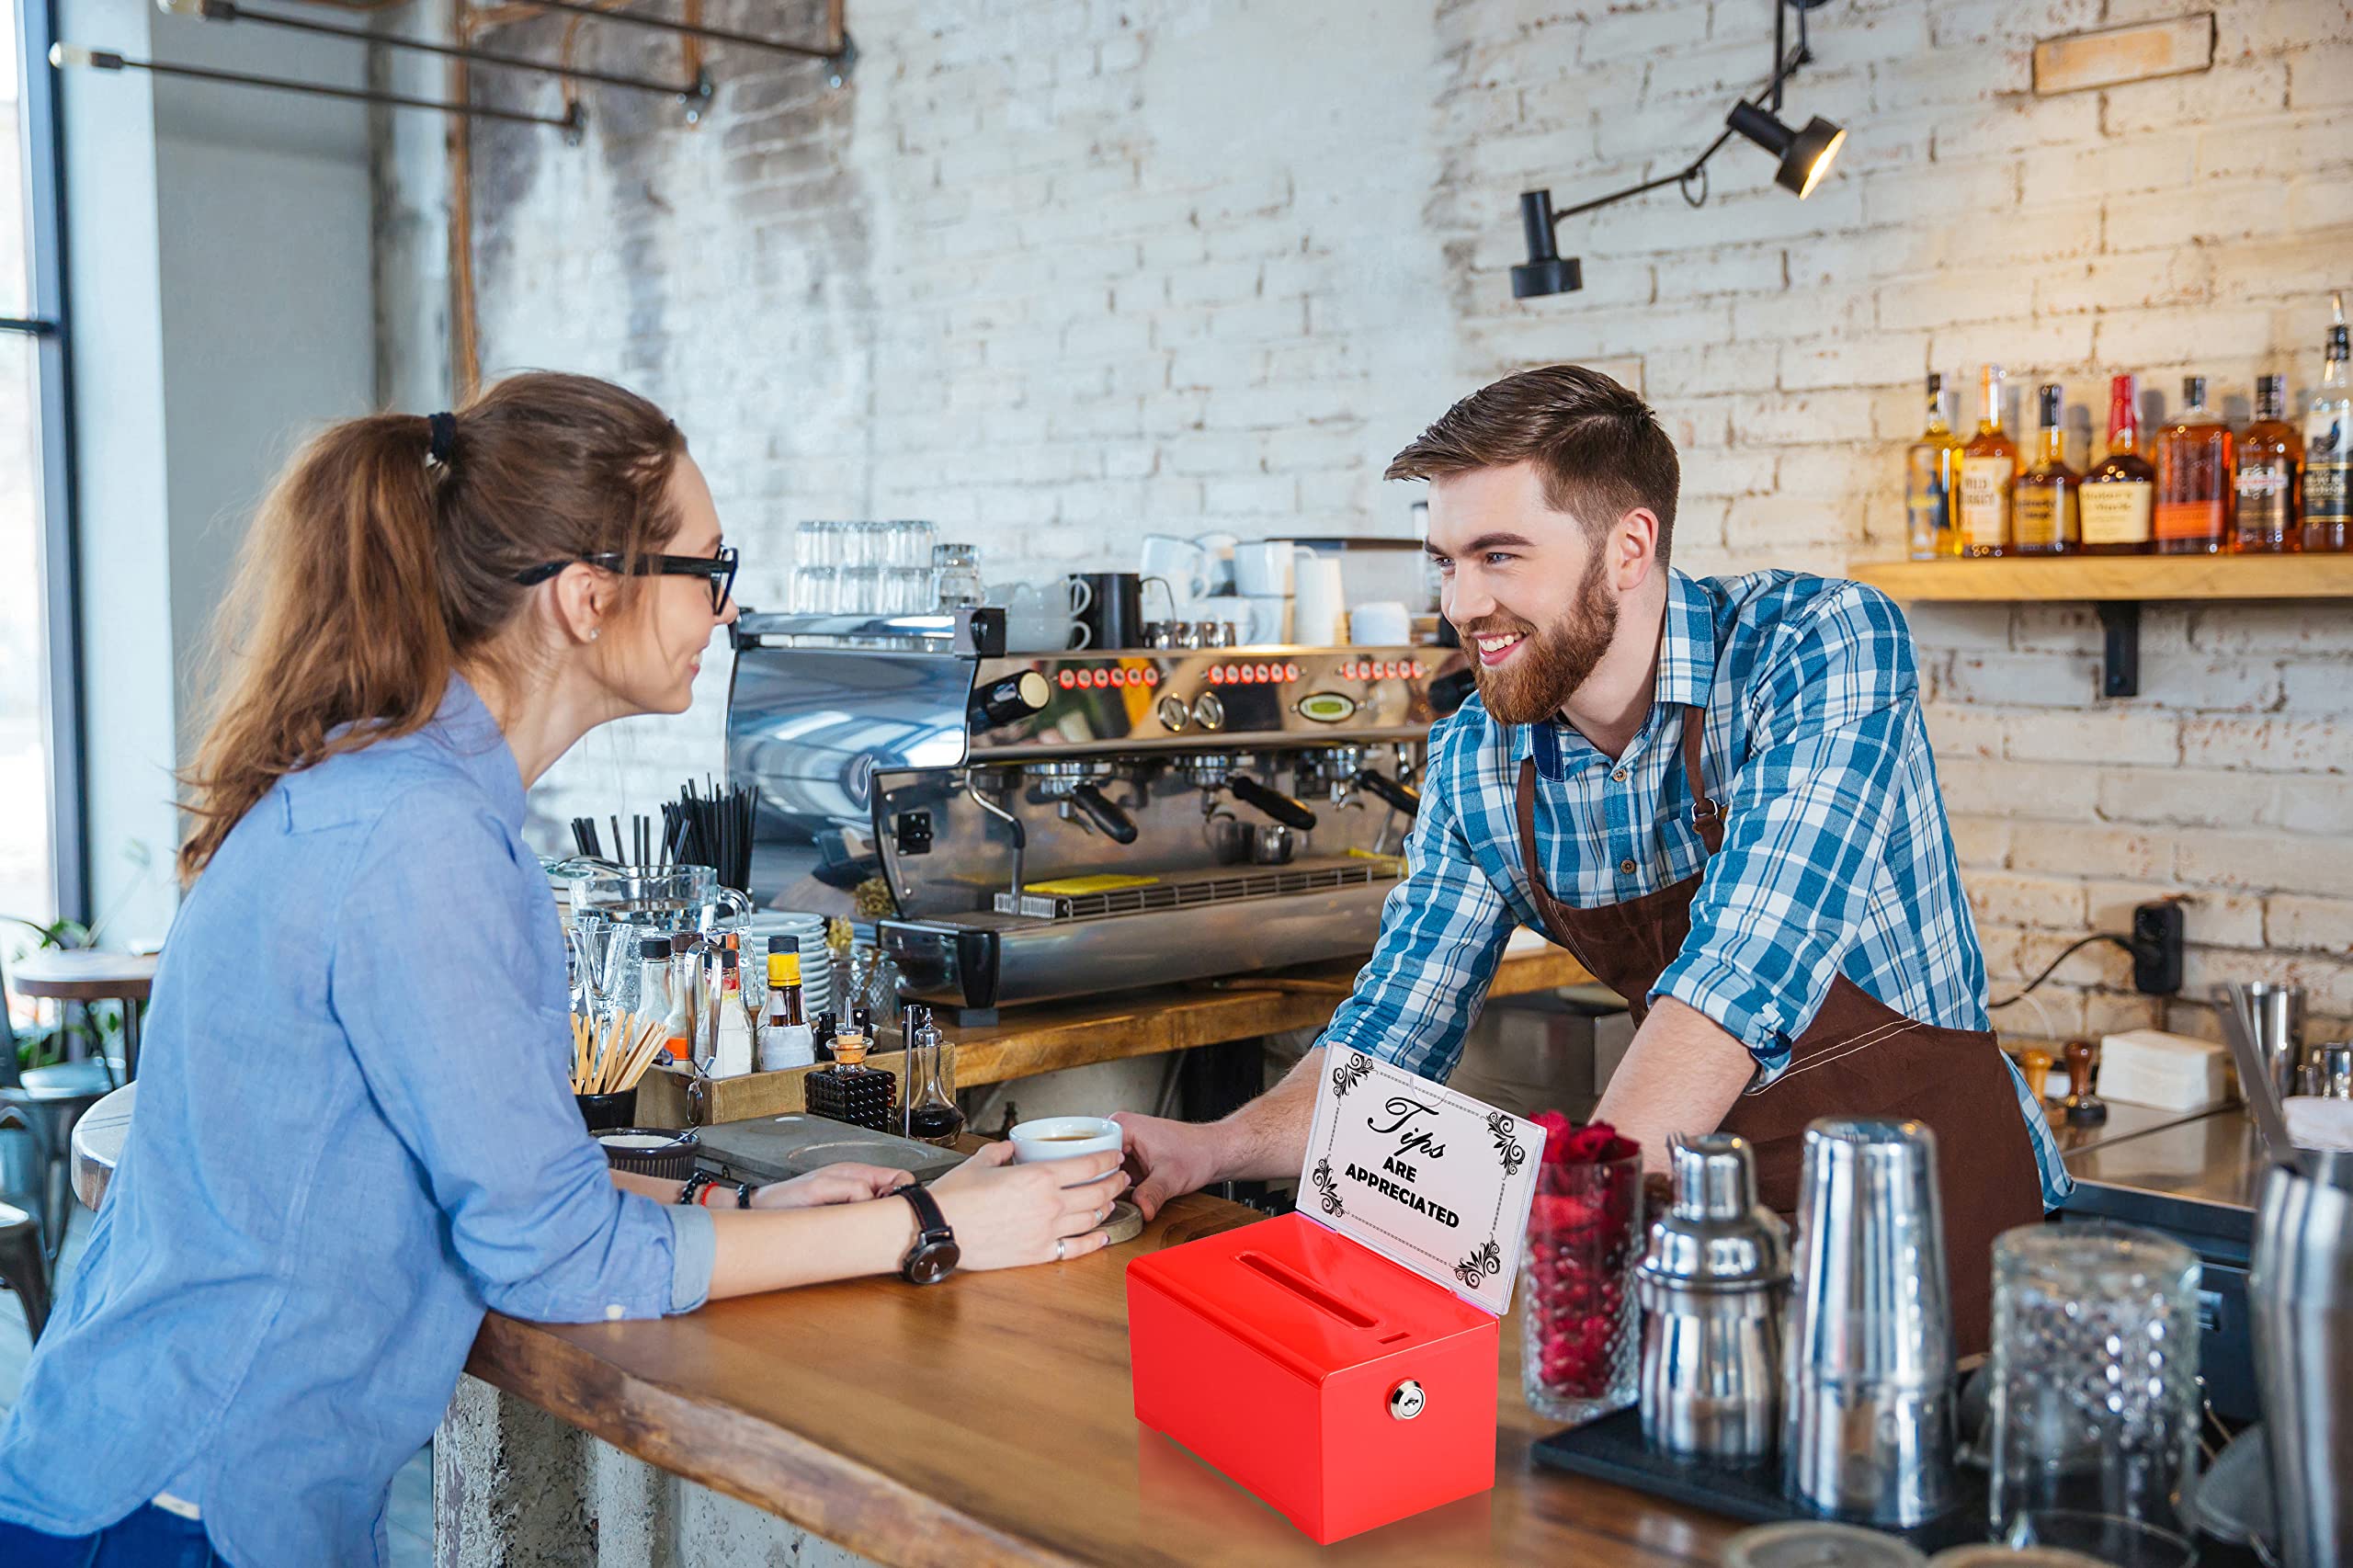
x=1858 y=1057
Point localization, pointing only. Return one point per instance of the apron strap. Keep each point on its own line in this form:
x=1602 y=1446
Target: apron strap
x=1707 y=816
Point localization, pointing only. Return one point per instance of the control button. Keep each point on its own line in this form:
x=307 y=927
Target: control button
x=1117 y=676
x=1067 y=679
x=1627 y=867
x=1151 y=675
x=1291 y=672
x=1173 y=713
x=1326 y=707
x=1417 y=668
x=1258 y=672
x=1208 y=712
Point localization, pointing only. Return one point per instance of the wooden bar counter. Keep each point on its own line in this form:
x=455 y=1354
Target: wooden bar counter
x=986 y=1420
x=1050 y=1036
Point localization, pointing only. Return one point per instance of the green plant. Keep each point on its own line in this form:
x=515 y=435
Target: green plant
x=44 y=1045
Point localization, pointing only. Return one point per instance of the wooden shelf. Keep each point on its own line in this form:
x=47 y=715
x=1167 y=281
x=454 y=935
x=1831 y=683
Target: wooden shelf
x=2117 y=585
x=2132 y=577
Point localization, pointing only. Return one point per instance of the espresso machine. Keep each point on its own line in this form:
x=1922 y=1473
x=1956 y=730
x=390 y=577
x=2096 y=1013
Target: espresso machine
x=1057 y=825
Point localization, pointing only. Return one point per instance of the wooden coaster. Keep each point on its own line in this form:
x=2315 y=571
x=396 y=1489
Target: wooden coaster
x=1126 y=1223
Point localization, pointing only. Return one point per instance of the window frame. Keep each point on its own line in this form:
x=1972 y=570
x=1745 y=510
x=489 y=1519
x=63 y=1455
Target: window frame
x=47 y=326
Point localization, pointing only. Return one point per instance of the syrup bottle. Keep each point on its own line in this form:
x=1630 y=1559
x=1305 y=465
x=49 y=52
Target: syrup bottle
x=934 y=1118
x=846 y=1089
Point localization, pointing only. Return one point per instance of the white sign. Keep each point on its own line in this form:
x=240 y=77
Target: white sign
x=1427 y=1177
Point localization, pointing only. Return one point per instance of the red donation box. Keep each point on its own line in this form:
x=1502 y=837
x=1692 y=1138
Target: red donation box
x=1318 y=1359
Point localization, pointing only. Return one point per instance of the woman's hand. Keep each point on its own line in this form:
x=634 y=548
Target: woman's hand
x=845 y=1183
x=1006 y=1215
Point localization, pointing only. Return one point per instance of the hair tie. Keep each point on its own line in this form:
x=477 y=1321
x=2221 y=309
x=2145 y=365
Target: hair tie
x=444 y=427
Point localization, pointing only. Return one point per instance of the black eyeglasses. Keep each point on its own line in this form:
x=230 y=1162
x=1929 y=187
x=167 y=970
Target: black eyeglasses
x=717 y=569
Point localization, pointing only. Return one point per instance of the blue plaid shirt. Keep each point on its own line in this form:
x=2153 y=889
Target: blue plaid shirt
x=1836 y=858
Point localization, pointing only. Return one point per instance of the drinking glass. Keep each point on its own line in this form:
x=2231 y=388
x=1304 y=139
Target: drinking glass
x=595 y=969
x=816 y=544
x=815 y=589
x=1580 y=1331
x=906 y=590
x=956 y=576
x=2093 y=1420
x=860 y=589
x=908 y=544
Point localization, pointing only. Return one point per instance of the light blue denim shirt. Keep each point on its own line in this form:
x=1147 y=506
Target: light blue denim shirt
x=355 y=1133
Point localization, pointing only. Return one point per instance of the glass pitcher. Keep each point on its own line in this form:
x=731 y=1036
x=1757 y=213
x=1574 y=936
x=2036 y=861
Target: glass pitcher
x=671 y=901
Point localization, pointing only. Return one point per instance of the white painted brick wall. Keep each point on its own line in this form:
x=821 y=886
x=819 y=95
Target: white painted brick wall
x=1054 y=272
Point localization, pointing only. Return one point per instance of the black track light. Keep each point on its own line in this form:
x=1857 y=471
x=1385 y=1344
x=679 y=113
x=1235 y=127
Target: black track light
x=1806 y=155
x=1545 y=271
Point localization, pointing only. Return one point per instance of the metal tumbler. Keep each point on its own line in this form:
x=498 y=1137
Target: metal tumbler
x=2300 y=1294
x=1871 y=1420
x=1711 y=1286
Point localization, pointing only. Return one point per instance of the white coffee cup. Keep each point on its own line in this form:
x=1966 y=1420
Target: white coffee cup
x=1179 y=562
x=1264 y=621
x=1064 y=1138
x=1217 y=549
x=1380 y=624
x=1319 y=607
x=1263 y=568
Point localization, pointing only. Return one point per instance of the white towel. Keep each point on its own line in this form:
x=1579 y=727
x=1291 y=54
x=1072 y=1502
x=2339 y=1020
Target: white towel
x=2317 y=1123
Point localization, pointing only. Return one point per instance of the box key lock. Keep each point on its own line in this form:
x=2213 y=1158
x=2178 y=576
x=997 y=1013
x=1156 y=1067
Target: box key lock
x=1406 y=1399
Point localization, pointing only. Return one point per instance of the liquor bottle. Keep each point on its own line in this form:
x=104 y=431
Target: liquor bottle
x=2194 y=478
x=785 y=1041
x=2328 y=448
x=2270 y=463
x=2116 y=496
x=1988 y=464
x=846 y=1089
x=1931 y=480
x=933 y=1115
x=2043 y=501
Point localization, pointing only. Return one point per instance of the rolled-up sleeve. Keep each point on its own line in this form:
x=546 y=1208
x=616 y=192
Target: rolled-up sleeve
x=440 y=982
x=1442 y=931
x=1782 y=904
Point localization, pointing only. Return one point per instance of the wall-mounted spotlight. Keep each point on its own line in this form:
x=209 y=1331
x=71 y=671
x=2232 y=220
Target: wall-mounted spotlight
x=1806 y=156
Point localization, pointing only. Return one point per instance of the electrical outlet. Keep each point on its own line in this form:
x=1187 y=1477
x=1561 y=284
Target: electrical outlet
x=2157 y=931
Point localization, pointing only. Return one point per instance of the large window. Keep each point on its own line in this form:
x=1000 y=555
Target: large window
x=41 y=858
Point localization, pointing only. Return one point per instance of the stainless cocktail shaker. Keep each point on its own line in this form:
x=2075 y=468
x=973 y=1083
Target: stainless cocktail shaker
x=1871 y=1417
x=1711 y=1284
x=2300 y=1293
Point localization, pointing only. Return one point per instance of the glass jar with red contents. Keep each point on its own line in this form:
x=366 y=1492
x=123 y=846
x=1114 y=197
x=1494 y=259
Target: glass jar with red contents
x=1580 y=1327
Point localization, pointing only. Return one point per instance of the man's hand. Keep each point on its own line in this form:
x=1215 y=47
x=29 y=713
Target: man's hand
x=845 y=1183
x=1168 y=1159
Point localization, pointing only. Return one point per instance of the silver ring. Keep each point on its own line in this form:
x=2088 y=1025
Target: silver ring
x=1058 y=1242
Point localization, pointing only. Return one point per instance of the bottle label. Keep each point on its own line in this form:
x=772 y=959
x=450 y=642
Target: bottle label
x=2116 y=512
x=1985 y=501
x=2329 y=491
x=2190 y=519
x=2039 y=515
x=2267 y=491
x=786 y=1045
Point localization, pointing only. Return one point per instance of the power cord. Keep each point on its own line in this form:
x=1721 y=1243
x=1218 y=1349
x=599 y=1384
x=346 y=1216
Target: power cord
x=2069 y=951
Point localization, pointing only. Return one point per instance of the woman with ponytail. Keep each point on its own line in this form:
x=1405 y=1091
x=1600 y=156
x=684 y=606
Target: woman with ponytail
x=355 y=1131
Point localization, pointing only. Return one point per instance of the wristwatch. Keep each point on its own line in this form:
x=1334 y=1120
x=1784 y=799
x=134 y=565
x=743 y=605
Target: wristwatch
x=935 y=1254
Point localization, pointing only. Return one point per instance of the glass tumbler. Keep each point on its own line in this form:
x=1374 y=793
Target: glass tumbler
x=2093 y=1420
x=815 y=589
x=1580 y=1350
x=955 y=575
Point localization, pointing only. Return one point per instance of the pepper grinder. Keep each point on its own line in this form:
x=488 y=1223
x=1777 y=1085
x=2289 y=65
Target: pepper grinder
x=2084 y=1108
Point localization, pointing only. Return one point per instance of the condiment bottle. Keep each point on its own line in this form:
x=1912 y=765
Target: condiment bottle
x=677 y=1019
x=731 y=1055
x=846 y=1089
x=934 y=1117
x=652 y=978
x=784 y=1039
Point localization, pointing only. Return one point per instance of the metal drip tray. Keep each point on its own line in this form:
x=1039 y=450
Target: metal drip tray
x=1223 y=884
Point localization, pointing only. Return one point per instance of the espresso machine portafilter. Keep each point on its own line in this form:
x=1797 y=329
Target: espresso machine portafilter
x=1060 y=824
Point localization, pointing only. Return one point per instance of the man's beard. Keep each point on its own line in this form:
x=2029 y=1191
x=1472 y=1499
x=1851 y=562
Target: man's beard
x=1537 y=681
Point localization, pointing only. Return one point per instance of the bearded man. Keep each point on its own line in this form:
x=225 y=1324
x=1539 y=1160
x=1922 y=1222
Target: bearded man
x=1716 y=793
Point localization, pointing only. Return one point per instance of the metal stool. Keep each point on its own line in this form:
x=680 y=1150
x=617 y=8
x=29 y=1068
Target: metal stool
x=46 y=1101
x=24 y=1268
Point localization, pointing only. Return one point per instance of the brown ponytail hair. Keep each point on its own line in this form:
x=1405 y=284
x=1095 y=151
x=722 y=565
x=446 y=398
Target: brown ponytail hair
x=380 y=564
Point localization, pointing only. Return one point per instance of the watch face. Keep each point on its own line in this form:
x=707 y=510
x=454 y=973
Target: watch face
x=933 y=1262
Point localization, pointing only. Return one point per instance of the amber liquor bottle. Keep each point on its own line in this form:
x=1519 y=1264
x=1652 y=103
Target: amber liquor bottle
x=1988 y=464
x=1932 y=481
x=2194 y=478
x=2269 y=489
x=2042 y=501
x=2118 y=496
x=846 y=1089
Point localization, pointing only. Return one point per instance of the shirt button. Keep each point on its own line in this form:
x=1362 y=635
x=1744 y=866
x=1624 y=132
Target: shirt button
x=1619 y=775
x=1627 y=867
